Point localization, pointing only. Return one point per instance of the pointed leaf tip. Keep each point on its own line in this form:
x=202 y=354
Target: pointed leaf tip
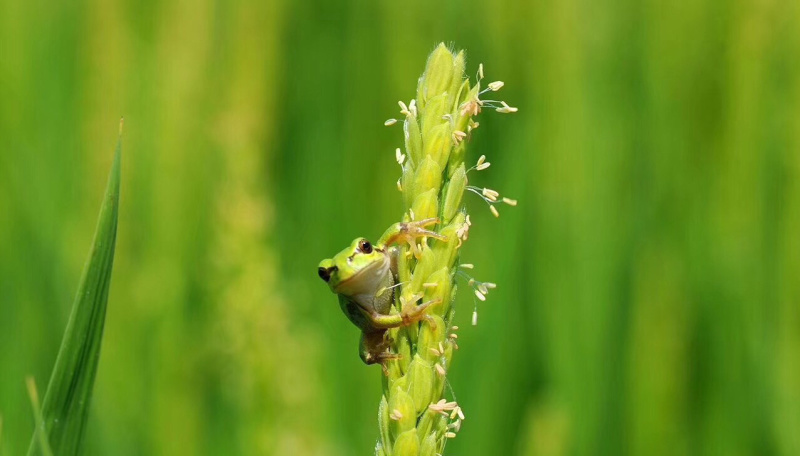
x=66 y=402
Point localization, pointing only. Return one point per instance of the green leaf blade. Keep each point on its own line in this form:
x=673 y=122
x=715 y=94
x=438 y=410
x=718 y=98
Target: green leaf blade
x=66 y=401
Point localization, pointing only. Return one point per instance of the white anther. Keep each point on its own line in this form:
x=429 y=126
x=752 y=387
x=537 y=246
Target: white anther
x=496 y=85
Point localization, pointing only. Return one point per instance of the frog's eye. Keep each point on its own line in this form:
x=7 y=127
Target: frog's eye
x=325 y=273
x=365 y=246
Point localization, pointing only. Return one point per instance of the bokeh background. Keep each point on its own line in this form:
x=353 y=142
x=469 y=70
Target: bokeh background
x=648 y=299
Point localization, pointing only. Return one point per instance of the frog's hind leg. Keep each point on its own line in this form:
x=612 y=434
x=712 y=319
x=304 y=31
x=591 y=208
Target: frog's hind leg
x=374 y=349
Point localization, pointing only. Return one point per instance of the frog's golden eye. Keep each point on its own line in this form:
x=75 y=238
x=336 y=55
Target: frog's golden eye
x=325 y=273
x=365 y=246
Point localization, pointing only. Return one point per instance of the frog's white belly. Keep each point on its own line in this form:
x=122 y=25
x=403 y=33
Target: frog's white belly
x=365 y=286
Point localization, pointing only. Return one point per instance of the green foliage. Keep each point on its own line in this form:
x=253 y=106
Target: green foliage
x=62 y=420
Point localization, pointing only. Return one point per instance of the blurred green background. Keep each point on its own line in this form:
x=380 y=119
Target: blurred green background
x=648 y=299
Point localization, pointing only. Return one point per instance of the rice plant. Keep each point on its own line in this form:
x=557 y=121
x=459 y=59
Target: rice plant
x=415 y=416
x=61 y=421
x=399 y=291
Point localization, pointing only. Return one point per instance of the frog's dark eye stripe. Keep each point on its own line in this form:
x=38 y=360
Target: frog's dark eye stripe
x=325 y=273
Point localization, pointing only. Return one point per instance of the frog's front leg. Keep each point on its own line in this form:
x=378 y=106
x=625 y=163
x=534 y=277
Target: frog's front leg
x=411 y=313
x=409 y=232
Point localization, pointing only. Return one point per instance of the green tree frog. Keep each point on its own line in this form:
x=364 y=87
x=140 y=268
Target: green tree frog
x=363 y=276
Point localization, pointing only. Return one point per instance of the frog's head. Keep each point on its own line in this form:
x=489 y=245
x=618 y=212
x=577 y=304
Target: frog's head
x=357 y=269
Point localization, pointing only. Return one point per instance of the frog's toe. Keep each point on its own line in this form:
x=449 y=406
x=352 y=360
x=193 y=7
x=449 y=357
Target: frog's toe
x=416 y=229
x=388 y=356
x=413 y=314
x=382 y=358
x=426 y=222
x=428 y=233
